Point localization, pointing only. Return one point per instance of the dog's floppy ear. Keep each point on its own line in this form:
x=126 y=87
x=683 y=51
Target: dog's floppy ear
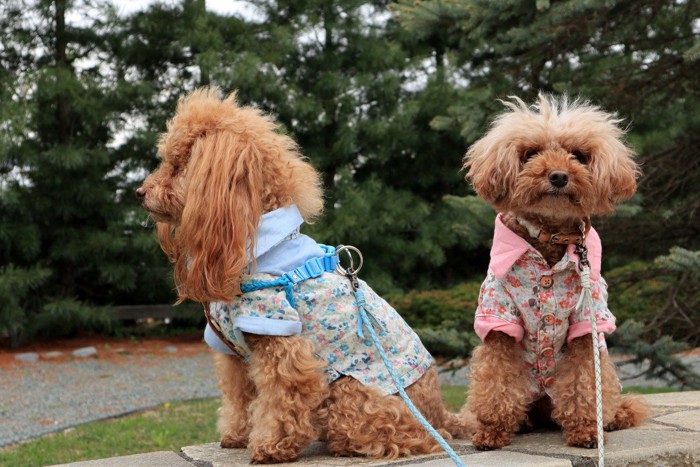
x=219 y=222
x=492 y=165
x=617 y=171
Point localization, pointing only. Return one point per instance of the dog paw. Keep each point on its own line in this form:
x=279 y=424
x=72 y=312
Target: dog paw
x=584 y=437
x=272 y=454
x=486 y=440
x=231 y=442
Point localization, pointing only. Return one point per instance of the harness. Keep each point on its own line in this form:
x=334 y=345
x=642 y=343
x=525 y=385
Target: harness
x=311 y=269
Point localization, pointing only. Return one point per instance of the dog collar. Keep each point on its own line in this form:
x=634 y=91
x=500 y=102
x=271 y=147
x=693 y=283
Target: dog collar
x=559 y=238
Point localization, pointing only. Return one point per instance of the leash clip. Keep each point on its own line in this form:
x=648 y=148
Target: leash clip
x=350 y=271
x=582 y=250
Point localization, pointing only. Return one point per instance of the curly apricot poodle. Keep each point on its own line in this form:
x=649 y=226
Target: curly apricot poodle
x=546 y=169
x=229 y=197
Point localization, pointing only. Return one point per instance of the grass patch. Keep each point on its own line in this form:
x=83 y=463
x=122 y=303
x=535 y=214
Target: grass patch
x=646 y=390
x=166 y=428
x=453 y=396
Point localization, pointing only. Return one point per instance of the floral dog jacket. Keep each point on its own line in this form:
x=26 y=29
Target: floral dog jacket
x=324 y=311
x=527 y=299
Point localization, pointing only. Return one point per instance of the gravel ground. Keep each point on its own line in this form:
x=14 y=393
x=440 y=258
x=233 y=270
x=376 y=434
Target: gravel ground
x=44 y=397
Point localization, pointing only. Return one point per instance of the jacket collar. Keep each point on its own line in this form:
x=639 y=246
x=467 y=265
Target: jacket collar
x=508 y=247
x=275 y=226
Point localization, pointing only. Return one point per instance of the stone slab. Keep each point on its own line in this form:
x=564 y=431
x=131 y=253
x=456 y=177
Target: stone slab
x=27 y=357
x=85 y=352
x=316 y=455
x=675 y=399
x=623 y=448
x=689 y=419
x=500 y=459
x=151 y=459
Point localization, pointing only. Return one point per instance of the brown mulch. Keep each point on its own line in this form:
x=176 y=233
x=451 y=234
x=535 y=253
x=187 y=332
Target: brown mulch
x=108 y=348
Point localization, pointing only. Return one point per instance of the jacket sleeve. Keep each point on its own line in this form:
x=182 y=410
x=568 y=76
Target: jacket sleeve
x=496 y=310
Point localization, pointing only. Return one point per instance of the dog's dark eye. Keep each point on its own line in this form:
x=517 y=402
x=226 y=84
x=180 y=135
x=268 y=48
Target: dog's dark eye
x=580 y=156
x=529 y=154
x=176 y=170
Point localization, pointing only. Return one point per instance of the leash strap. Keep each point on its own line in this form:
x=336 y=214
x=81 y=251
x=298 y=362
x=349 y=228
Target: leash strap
x=366 y=320
x=586 y=300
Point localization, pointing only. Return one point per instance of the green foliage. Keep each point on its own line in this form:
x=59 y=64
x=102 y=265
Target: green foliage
x=448 y=342
x=473 y=220
x=658 y=305
x=384 y=101
x=64 y=318
x=635 y=58
x=664 y=295
x=443 y=319
x=658 y=354
x=15 y=286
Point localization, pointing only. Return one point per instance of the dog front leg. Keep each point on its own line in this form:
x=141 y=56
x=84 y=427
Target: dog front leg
x=499 y=391
x=291 y=387
x=573 y=393
x=237 y=392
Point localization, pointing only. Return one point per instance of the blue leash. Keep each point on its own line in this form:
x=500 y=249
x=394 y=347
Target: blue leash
x=328 y=263
x=367 y=319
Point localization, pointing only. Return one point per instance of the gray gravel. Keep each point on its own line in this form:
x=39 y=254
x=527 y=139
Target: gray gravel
x=43 y=397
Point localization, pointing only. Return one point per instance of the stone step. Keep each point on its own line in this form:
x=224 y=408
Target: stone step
x=670 y=438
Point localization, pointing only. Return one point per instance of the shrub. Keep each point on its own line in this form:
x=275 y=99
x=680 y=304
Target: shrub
x=664 y=295
x=443 y=319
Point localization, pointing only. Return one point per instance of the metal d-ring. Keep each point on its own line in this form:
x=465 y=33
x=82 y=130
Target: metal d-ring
x=351 y=269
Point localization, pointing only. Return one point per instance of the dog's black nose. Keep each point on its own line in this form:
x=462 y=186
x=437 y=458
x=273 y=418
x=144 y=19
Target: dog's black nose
x=140 y=192
x=558 y=178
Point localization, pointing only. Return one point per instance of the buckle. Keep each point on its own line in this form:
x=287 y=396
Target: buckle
x=327 y=250
x=313 y=268
x=330 y=262
x=566 y=239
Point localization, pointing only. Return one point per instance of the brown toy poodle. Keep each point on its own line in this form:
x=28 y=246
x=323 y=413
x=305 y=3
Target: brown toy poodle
x=546 y=169
x=228 y=198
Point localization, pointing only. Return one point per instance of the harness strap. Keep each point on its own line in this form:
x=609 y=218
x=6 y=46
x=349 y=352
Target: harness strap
x=311 y=269
x=215 y=327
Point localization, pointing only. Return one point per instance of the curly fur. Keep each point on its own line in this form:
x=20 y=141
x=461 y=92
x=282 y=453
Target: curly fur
x=510 y=167
x=223 y=166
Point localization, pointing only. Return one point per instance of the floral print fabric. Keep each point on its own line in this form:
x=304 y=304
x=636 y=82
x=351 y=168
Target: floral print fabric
x=326 y=309
x=535 y=303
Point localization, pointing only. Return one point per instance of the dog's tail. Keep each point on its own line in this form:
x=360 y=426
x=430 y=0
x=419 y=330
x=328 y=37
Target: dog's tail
x=461 y=425
x=632 y=411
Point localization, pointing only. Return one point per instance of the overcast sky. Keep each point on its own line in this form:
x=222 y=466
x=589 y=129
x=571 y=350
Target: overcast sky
x=218 y=6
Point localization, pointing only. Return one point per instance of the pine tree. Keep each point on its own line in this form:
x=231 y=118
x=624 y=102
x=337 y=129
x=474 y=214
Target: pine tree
x=637 y=58
x=356 y=92
x=62 y=199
